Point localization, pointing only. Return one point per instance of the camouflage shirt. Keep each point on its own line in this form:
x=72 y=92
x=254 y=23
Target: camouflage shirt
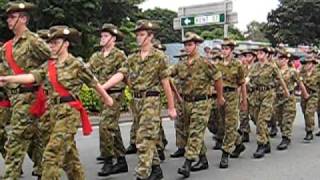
x=196 y=78
x=291 y=77
x=30 y=52
x=104 y=67
x=312 y=82
x=232 y=74
x=145 y=74
x=72 y=74
x=265 y=75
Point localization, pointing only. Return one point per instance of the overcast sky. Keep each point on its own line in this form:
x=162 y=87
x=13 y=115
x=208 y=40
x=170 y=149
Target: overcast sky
x=248 y=10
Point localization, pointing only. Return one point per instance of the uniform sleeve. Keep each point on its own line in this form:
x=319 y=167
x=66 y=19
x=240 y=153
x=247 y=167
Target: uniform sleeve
x=241 y=74
x=296 y=77
x=163 y=68
x=213 y=72
x=87 y=76
x=173 y=70
x=40 y=73
x=277 y=73
x=40 y=50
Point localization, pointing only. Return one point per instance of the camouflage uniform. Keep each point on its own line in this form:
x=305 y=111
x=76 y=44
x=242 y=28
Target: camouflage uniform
x=309 y=106
x=29 y=52
x=285 y=108
x=263 y=79
x=144 y=79
x=111 y=144
x=197 y=85
x=5 y=114
x=244 y=115
x=61 y=150
x=233 y=77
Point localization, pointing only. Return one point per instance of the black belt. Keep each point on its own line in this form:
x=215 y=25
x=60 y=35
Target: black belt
x=114 y=91
x=261 y=88
x=4 y=99
x=311 y=91
x=190 y=98
x=63 y=99
x=24 y=89
x=229 y=89
x=142 y=94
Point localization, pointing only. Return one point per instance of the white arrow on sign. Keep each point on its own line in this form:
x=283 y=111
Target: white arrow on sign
x=187 y=21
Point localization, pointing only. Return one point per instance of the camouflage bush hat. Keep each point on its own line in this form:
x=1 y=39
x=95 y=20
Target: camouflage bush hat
x=310 y=59
x=157 y=44
x=70 y=34
x=19 y=6
x=112 y=29
x=228 y=42
x=146 y=25
x=192 y=37
x=43 y=34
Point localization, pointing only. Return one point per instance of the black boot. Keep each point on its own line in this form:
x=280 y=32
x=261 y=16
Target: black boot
x=245 y=137
x=202 y=164
x=260 y=151
x=284 y=143
x=318 y=134
x=224 y=160
x=132 y=149
x=185 y=169
x=239 y=149
x=156 y=173
x=267 y=148
x=161 y=154
x=100 y=158
x=179 y=153
x=309 y=136
x=107 y=167
x=273 y=131
x=120 y=167
x=218 y=145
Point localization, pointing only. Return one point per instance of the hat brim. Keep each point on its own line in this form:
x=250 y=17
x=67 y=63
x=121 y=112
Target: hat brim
x=119 y=36
x=193 y=40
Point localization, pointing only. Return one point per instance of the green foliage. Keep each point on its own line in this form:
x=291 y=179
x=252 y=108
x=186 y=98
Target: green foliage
x=90 y=99
x=256 y=32
x=294 y=22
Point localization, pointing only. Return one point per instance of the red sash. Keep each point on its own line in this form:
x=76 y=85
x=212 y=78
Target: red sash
x=86 y=125
x=5 y=104
x=39 y=106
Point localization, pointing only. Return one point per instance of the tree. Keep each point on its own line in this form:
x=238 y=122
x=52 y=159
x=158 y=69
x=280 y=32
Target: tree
x=294 y=22
x=165 y=19
x=255 y=32
x=85 y=15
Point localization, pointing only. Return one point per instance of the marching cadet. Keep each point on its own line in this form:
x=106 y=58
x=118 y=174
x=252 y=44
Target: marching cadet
x=146 y=71
x=250 y=57
x=311 y=79
x=162 y=143
x=180 y=122
x=262 y=80
x=104 y=64
x=285 y=107
x=25 y=52
x=198 y=75
x=233 y=78
x=63 y=78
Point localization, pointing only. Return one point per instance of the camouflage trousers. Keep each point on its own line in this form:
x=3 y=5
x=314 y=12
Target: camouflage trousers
x=40 y=142
x=61 y=151
x=285 y=114
x=4 y=120
x=111 y=144
x=23 y=127
x=244 y=121
x=197 y=117
x=214 y=120
x=148 y=116
x=180 y=126
x=162 y=140
x=261 y=110
x=309 y=108
x=230 y=117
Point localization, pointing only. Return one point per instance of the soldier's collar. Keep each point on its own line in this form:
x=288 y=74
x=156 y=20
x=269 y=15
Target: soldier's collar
x=25 y=34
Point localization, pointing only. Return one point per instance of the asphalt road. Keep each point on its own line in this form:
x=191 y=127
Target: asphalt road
x=300 y=162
